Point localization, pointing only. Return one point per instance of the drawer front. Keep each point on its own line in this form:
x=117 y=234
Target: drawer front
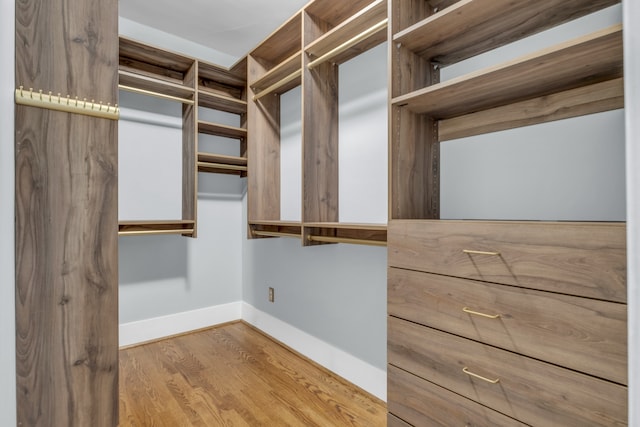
x=583 y=259
x=528 y=390
x=579 y=333
x=421 y=403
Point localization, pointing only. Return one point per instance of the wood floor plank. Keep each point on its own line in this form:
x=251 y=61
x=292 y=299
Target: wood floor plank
x=234 y=375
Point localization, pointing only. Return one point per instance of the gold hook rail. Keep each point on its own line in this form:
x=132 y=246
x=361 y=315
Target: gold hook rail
x=331 y=239
x=66 y=104
x=275 y=234
x=348 y=44
x=291 y=77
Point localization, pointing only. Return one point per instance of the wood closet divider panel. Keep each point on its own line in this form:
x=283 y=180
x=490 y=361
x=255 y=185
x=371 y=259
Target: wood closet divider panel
x=66 y=217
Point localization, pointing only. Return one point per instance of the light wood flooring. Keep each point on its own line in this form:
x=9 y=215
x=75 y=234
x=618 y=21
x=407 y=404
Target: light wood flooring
x=234 y=375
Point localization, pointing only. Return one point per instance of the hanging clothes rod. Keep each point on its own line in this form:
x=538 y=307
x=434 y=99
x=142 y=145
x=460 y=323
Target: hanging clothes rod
x=275 y=234
x=348 y=44
x=291 y=77
x=156 y=94
x=66 y=104
x=156 y=232
x=330 y=239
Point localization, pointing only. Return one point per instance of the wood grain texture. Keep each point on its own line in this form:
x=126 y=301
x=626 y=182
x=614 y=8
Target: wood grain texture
x=423 y=403
x=582 y=259
x=471 y=27
x=285 y=41
x=319 y=134
x=528 y=390
x=579 y=333
x=589 y=59
x=263 y=152
x=66 y=218
x=190 y=153
x=596 y=98
x=235 y=375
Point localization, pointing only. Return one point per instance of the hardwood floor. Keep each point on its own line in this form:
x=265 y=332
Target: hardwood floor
x=233 y=375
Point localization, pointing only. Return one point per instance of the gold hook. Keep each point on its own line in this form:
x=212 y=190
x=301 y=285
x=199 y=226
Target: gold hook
x=21 y=91
x=58 y=97
x=40 y=91
x=31 y=92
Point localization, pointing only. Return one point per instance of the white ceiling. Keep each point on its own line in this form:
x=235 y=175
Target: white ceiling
x=230 y=26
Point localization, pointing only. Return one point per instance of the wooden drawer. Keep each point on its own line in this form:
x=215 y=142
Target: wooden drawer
x=582 y=334
x=584 y=259
x=528 y=390
x=421 y=403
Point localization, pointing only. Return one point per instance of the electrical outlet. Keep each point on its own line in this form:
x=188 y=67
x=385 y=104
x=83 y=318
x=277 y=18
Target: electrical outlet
x=271 y=295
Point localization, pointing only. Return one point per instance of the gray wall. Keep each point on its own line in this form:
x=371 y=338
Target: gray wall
x=7 y=231
x=336 y=293
x=162 y=275
x=564 y=170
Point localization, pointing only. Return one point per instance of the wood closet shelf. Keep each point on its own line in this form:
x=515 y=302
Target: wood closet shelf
x=470 y=27
x=279 y=46
x=235 y=76
x=344 y=232
x=221 y=130
x=262 y=229
x=350 y=28
x=219 y=163
x=138 y=228
x=134 y=54
x=209 y=99
x=159 y=86
x=585 y=60
x=279 y=73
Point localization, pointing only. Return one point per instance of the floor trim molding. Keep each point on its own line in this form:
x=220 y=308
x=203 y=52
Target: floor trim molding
x=366 y=376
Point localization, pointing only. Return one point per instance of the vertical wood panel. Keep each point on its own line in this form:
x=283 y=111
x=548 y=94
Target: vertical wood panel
x=66 y=218
x=263 y=152
x=319 y=134
x=190 y=152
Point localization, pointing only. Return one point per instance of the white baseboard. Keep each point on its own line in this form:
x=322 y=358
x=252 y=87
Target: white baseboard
x=159 y=327
x=360 y=373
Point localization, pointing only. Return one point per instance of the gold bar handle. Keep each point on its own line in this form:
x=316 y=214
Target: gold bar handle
x=468 y=372
x=477 y=313
x=468 y=251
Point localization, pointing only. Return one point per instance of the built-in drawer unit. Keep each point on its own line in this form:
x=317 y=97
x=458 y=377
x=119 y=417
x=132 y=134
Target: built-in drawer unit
x=422 y=403
x=526 y=389
x=583 y=259
x=579 y=333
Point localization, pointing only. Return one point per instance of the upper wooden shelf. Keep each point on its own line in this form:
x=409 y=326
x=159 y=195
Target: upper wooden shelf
x=353 y=32
x=281 y=44
x=134 y=54
x=347 y=225
x=274 y=228
x=286 y=68
x=219 y=163
x=222 y=75
x=210 y=99
x=157 y=87
x=139 y=228
x=579 y=62
x=470 y=27
x=221 y=130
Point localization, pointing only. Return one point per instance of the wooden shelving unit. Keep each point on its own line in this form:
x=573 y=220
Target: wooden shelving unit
x=151 y=71
x=224 y=90
x=335 y=32
x=305 y=50
x=274 y=67
x=448 y=279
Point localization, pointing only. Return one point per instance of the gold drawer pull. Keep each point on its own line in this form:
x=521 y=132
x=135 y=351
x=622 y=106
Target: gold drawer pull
x=477 y=313
x=469 y=251
x=468 y=372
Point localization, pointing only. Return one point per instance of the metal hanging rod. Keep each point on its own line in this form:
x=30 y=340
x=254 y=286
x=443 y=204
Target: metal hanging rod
x=66 y=104
x=156 y=94
x=330 y=239
x=348 y=44
x=291 y=77
x=275 y=234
